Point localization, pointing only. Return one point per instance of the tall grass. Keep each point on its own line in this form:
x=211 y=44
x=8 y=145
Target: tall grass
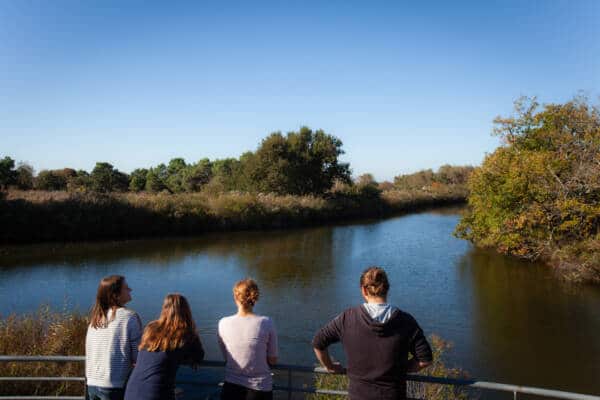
x=45 y=332
x=415 y=390
x=38 y=216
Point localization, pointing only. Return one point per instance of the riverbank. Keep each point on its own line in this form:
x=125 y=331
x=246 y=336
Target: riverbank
x=40 y=216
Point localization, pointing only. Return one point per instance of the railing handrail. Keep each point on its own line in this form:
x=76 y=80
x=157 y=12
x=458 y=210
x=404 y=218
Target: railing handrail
x=559 y=394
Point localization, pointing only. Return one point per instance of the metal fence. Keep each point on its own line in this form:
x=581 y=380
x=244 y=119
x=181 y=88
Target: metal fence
x=288 y=371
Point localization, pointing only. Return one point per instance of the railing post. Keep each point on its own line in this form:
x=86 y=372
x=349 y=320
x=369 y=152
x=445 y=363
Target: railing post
x=289 y=384
x=515 y=395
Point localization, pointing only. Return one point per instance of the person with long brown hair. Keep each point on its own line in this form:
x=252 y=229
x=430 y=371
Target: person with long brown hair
x=167 y=342
x=111 y=341
x=249 y=345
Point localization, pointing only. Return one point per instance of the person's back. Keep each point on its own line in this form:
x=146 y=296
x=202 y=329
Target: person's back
x=167 y=342
x=111 y=351
x=249 y=345
x=111 y=342
x=377 y=339
x=377 y=352
x=245 y=342
x=153 y=377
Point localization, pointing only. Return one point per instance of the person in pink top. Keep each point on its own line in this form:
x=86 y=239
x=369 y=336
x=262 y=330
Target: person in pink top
x=249 y=345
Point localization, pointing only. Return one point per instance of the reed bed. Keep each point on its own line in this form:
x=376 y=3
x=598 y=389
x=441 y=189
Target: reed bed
x=40 y=216
x=43 y=333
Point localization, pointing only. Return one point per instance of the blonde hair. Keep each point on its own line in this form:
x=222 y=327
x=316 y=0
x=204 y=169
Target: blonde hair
x=246 y=292
x=374 y=280
x=173 y=329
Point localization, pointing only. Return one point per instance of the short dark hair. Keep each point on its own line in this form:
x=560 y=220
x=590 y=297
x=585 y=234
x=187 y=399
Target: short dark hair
x=374 y=280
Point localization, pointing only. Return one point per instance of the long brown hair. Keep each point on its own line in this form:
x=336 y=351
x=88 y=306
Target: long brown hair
x=107 y=297
x=174 y=328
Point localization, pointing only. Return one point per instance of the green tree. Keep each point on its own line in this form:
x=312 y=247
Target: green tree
x=303 y=162
x=80 y=182
x=8 y=175
x=540 y=191
x=137 y=182
x=24 y=176
x=156 y=178
x=106 y=178
x=176 y=170
x=50 y=180
x=197 y=175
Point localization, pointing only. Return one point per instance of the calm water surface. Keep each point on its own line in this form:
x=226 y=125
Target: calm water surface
x=509 y=321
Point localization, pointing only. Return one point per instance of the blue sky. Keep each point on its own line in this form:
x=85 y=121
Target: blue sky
x=405 y=86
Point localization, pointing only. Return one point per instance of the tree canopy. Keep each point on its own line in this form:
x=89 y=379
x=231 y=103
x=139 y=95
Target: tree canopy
x=541 y=189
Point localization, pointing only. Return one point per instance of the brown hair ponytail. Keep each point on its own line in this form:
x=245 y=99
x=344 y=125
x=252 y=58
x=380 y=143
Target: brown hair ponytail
x=246 y=292
x=375 y=282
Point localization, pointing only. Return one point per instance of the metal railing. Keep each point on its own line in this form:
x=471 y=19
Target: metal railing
x=289 y=388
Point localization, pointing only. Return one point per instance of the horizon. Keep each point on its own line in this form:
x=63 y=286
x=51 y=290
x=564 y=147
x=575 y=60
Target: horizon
x=404 y=88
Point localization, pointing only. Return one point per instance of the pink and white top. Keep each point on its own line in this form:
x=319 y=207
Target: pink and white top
x=246 y=342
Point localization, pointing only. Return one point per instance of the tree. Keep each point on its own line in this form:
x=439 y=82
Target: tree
x=156 y=178
x=197 y=175
x=540 y=190
x=300 y=163
x=24 y=176
x=137 y=182
x=80 y=182
x=50 y=180
x=8 y=175
x=106 y=178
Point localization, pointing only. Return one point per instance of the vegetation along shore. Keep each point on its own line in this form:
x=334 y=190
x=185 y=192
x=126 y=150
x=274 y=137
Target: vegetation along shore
x=538 y=195
x=289 y=181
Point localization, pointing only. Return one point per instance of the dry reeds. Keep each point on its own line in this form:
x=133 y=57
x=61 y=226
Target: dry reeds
x=45 y=332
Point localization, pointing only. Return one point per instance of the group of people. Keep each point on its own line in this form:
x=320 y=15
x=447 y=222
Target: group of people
x=124 y=361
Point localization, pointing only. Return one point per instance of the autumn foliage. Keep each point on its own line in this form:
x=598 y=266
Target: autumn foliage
x=538 y=195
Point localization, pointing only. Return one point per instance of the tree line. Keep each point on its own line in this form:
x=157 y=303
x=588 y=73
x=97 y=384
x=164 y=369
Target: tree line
x=305 y=162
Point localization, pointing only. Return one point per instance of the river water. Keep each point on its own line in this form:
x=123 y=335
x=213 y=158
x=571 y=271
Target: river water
x=509 y=321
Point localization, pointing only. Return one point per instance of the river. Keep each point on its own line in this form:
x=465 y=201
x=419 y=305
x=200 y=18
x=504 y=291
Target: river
x=510 y=321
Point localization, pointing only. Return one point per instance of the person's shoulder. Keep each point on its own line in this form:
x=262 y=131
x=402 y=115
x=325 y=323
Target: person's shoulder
x=226 y=320
x=126 y=313
x=403 y=316
x=265 y=320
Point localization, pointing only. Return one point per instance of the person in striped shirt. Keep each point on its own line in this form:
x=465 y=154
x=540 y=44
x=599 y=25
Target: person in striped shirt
x=111 y=343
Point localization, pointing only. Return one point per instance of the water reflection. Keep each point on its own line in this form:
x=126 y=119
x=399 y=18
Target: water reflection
x=529 y=327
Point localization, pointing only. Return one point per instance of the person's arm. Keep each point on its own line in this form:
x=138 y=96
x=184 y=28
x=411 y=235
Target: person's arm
x=415 y=366
x=272 y=349
x=221 y=342
x=420 y=349
x=325 y=360
x=194 y=352
x=134 y=336
x=327 y=335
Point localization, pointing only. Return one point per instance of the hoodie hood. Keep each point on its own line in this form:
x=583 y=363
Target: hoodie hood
x=378 y=317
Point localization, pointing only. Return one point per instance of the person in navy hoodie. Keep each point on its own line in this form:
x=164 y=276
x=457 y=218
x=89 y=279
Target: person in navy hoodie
x=377 y=338
x=169 y=341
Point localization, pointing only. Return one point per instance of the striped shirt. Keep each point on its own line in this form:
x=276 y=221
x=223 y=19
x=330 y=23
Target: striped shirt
x=111 y=352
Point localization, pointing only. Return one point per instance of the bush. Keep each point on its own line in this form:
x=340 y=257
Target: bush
x=540 y=192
